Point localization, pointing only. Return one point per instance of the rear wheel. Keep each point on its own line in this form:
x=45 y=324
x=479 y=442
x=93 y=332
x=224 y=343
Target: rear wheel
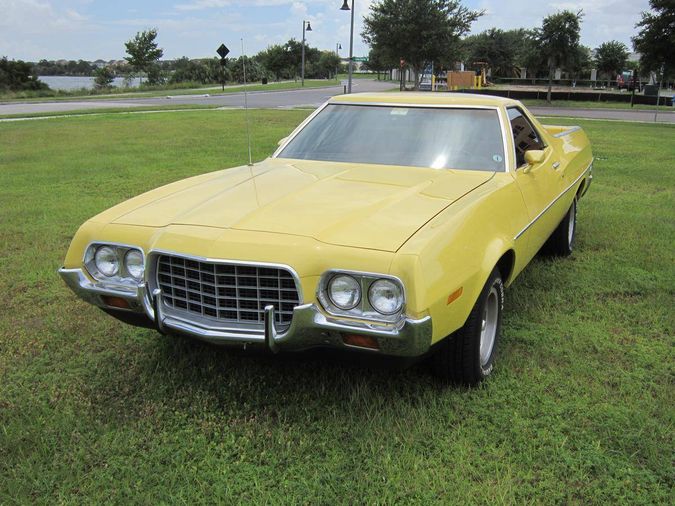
x=467 y=356
x=561 y=242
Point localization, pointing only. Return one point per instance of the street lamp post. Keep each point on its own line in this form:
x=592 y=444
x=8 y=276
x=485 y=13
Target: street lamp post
x=309 y=29
x=345 y=7
x=338 y=46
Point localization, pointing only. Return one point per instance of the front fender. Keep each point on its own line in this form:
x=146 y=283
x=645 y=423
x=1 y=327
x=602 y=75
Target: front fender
x=456 y=252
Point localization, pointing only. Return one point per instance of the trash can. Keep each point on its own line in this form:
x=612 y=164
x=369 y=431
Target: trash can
x=264 y=80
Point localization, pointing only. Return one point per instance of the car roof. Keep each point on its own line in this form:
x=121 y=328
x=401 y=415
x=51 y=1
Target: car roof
x=424 y=98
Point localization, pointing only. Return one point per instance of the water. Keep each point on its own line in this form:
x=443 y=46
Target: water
x=77 y=82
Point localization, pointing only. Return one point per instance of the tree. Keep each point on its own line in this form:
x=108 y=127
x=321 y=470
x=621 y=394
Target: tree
x=580 y=62
x=656 y=40
x=558 y=41
x=610 y=58
x=419 y=31
x=377 y=62
x=277 y=60
x=143 y=50
x=104 y=77
x=505 y=52
x=16 y=76
x=254 y=71
x=326 y=66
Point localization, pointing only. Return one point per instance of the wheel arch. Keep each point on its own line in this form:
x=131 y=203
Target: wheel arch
x=506 y=264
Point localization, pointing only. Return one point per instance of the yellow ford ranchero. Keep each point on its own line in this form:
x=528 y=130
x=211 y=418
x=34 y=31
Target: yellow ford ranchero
x=386 y=223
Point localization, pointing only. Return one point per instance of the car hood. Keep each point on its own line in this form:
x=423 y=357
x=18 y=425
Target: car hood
x=358 y=205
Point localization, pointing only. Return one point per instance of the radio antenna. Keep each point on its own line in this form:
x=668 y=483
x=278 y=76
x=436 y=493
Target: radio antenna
x=248 y=125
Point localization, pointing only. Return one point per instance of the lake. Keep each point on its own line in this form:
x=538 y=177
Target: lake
x=77 y=82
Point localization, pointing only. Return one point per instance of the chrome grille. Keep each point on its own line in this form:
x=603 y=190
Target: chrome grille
x=227 y=292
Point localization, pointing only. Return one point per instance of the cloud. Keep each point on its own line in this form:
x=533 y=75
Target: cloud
x=34 y=16
x=35 y=29
x=198 y=5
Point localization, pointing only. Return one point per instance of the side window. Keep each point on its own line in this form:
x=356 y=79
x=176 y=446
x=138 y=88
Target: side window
x=525 y=137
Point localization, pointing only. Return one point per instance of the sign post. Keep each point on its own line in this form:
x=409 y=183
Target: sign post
x=223 y=51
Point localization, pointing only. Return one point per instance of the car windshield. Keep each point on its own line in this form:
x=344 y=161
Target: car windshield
x=440 y=138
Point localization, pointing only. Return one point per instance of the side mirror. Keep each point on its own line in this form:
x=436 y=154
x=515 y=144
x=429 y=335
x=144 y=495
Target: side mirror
x=534 y=156
x=281 y=141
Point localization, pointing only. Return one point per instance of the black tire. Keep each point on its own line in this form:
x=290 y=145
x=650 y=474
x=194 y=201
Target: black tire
x=561 y=242
x=458 y=358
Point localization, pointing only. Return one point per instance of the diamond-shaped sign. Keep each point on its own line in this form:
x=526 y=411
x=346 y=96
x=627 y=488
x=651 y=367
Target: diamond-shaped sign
x=223 y=51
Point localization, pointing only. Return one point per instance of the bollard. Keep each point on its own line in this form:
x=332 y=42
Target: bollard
x=344 y=91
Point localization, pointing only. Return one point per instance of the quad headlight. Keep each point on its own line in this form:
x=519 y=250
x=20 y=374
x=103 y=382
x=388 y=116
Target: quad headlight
x=386 y=296
x=114 y=263
x=344 y=291
x=362 y=295
x=107 y=261
x=134 y=264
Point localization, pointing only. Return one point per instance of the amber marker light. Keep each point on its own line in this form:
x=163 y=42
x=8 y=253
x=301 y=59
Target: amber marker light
x=360 y=341
x=118 y=302
x=455 y=295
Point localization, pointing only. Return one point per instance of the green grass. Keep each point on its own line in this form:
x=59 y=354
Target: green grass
x=579 y=410
x=592 y=104
x=158 y=91
x=111 y=110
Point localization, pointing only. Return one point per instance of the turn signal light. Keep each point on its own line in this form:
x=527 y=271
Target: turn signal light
x=455 y=295
x=116 y=302
x=360 y=341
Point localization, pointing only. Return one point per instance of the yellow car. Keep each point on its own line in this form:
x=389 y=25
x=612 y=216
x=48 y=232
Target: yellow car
x=385 y=223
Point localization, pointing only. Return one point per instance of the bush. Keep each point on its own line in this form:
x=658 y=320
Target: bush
x=155 y=76
x=16 y=76
x=103 y=78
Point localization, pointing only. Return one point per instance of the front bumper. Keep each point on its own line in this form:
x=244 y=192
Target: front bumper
x=310 y=327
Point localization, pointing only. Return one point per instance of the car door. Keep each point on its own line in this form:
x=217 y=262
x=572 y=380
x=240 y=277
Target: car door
x=539 y=183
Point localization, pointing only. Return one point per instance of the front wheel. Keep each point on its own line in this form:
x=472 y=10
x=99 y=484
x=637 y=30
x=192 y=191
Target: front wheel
x=561 y=242
x=467 y=356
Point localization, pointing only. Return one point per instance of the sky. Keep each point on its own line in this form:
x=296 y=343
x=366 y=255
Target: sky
x=92 y=29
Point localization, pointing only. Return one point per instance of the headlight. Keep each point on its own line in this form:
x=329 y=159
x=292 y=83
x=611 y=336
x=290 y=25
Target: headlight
x=106 y=261
x=385 y=296
x=344 y=291
x=133 y=261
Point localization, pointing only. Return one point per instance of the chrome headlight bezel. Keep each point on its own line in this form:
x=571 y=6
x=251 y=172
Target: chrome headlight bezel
x=122 y=277
x=363 y=310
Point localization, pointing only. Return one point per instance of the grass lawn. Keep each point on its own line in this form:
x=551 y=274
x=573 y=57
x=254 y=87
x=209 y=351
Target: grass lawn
x=111 y=110
x=121 y=93
x=579 y=410
x=593 y=104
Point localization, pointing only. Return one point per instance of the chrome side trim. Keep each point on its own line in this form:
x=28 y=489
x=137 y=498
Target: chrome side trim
x=567 y=132
x=589 y=168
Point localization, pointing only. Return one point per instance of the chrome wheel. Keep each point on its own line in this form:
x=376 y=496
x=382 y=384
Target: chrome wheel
x=572 y=223
x=489 y=324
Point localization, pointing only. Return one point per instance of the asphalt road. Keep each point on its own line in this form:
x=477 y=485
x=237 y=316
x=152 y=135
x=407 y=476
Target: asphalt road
x=310 y=97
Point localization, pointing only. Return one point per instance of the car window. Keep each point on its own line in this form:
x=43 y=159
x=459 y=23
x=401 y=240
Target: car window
x=439 y=138
x=525 y=137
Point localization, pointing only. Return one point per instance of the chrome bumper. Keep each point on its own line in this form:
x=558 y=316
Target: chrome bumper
x=310 y=327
